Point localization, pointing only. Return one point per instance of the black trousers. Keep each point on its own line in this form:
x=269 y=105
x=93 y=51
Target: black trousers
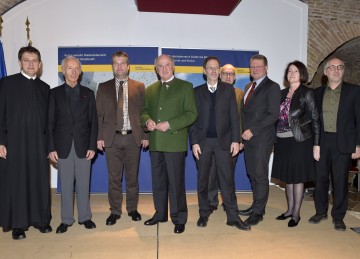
x=336 y=165
x=213 y=187
x=168 y=180
x=257 y=167
x=225 y=173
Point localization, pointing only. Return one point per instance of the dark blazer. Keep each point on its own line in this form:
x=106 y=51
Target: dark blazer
x=303 y=114
x=261 y=112
x=64 y=128
x=106 y=104
x=348 y=117
x=226 y=116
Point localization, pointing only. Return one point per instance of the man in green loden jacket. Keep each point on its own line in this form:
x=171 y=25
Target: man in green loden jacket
x=168 y=111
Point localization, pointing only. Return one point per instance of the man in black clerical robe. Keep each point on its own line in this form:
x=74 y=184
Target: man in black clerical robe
x=24 y=166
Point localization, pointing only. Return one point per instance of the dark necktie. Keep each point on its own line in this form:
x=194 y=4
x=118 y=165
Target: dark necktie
x=248 y=97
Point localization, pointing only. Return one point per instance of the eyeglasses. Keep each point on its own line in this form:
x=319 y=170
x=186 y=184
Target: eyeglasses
x=256 y=67
x=212 y=68
x=227 y=74
x=28 y=61
x=338 y=67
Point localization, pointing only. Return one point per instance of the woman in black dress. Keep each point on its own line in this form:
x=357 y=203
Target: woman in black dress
x=297 y=143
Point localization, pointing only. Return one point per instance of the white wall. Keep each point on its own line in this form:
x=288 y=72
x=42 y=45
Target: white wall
x=277 y=28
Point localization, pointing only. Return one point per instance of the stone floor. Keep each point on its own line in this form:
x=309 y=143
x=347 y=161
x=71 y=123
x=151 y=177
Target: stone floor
x=127 y=239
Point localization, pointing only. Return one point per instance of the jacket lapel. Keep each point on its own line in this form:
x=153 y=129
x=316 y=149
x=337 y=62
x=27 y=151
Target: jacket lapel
x=65 y=100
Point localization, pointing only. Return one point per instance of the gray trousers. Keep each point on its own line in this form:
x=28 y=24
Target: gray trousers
x=74 y=170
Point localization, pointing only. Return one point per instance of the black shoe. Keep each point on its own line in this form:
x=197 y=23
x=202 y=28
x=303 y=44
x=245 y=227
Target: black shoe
x=212 y=208
x=223 y=206
x=18 y=234
x=62 y=228
x=179 y=228
x=153 y=221
x=246 y=212
x=44 y=229
x=317 y=218
x=135 y=215
x=292 y=223
x=253 y=219
x=339 y=224
x=240 y=225
x=88 y=224
x=111 y=220
x=202 y=221
x=283 y=217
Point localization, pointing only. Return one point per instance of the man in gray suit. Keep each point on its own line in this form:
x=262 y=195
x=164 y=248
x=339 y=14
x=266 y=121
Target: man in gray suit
x=261 y=107
x=119 y=102
x=73 y=127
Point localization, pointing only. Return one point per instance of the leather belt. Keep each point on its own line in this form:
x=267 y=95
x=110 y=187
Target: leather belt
x=124 y=132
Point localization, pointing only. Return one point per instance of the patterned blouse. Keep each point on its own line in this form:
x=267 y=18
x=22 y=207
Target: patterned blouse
x=283 y=122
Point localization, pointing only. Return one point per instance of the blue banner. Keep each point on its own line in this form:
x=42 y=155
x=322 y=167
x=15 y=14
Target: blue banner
x=96 y=67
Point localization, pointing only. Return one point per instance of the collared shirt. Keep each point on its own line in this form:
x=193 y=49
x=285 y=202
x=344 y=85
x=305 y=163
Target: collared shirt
x=28 y=77
x=168 y=80
x=258 y=82
x=164 y=82
x=330 y=107
x=212 y=88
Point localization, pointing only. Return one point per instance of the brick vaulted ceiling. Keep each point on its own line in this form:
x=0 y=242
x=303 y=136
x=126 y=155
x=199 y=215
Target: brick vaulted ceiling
x=210 y=7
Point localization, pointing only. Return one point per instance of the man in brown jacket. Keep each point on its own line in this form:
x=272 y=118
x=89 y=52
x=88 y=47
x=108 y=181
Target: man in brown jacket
x=119 y=102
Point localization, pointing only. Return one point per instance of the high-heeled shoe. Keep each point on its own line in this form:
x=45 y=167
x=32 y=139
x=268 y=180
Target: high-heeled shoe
x=283 y=217
x=292 y=223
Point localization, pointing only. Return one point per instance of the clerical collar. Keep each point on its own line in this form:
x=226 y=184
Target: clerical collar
x=168 y=81
x=27 y=76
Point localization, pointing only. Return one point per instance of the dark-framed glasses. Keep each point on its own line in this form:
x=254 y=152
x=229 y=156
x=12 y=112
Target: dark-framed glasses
x=338 y=67
x=227 y=74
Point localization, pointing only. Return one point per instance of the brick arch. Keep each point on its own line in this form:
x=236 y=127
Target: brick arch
x=324 y=38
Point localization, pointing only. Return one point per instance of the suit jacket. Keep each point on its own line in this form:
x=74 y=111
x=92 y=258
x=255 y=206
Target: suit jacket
x=303 y=114
x=106 y=105
x=348 y=117
x=64 y=127
x=226 y=116
x=177 y=106
x=261 y=112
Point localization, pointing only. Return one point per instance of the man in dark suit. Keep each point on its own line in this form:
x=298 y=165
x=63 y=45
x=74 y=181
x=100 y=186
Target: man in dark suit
x=339 y=109
x=216 y=135
x=24 y=168
x=168 y=111
x=227 y=75
x=119 y=102
x=259 y=114
x=73 y=127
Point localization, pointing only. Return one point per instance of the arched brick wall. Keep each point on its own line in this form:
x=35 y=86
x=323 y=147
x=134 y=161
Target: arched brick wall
x=331 y=24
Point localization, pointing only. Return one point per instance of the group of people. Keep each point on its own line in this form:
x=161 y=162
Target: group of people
x=314 y=136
